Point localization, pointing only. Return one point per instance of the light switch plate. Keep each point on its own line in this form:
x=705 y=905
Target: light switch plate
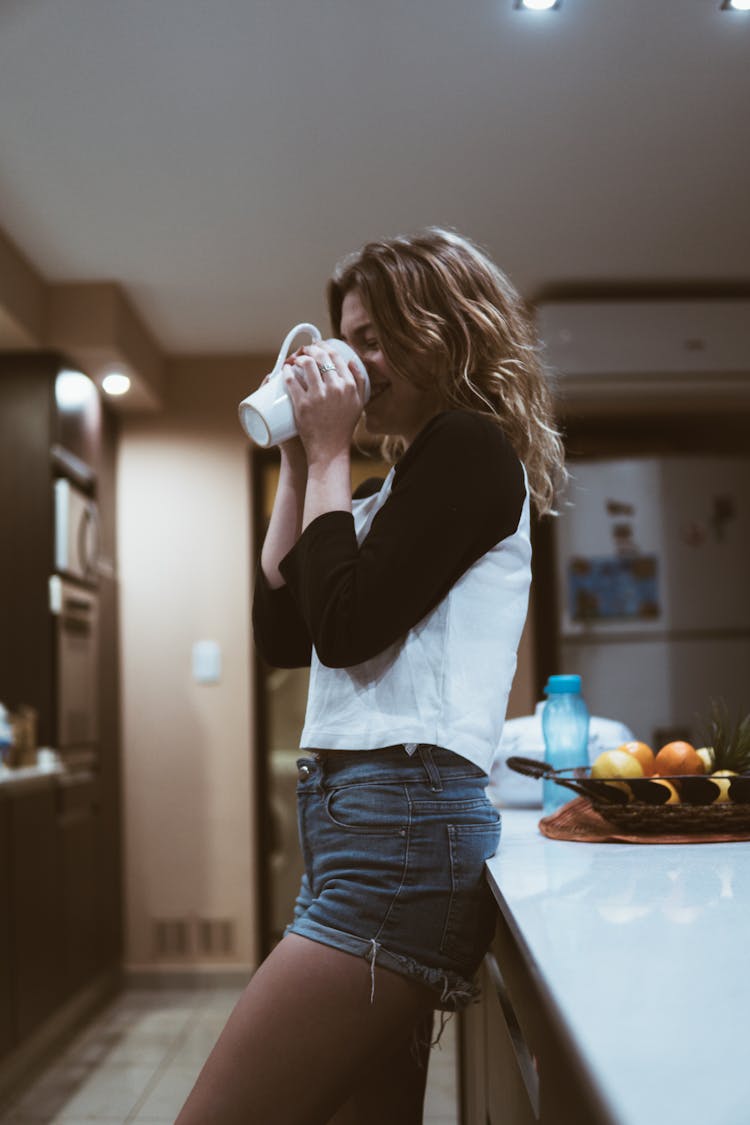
x=206 y=662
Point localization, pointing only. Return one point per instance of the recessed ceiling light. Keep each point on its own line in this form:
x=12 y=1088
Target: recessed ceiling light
x=73 y=390
x=537 y=5
x=116 y=383
x=737 y=5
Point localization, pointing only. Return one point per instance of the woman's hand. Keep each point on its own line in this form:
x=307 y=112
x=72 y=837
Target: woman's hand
x=327 y=396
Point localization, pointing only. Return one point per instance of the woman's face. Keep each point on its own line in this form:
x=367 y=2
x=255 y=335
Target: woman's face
x=396 y=406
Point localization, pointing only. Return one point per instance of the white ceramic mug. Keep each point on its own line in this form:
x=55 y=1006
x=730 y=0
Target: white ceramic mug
x=266 y=415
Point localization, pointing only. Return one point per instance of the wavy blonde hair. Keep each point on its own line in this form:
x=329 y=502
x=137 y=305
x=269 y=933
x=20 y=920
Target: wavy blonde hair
x=446 y=315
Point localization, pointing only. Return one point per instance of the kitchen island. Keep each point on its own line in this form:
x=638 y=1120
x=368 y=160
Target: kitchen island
x=616 y=992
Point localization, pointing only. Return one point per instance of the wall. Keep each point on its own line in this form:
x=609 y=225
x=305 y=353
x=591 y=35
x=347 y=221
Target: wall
x=185 y=575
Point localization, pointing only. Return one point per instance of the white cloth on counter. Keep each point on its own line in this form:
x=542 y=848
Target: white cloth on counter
x=523 y=737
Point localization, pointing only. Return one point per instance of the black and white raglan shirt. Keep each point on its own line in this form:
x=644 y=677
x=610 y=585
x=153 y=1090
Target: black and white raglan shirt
x=409 y=609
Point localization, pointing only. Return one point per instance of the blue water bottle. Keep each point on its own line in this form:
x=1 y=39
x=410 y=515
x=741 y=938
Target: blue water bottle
x=565 y=726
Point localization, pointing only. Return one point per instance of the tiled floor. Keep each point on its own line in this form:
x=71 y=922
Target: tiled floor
x=138 y=1060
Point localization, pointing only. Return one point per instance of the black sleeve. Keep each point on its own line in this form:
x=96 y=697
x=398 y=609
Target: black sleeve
x=281 y=635
x=367 y=488
x=458 y=490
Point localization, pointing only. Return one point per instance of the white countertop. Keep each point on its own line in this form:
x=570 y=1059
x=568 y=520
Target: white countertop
x=643 y=949
x=24 y=778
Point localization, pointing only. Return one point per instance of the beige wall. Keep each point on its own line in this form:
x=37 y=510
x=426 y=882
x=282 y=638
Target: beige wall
x=185 y=573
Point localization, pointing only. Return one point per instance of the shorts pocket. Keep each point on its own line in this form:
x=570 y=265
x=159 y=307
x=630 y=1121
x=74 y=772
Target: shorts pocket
x=470 y=918
x=369 y=808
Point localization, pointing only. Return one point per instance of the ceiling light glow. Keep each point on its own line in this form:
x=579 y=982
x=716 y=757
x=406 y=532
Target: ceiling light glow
x=116 y=383
x=737 y=5
x=73 y=390
x=538 y=5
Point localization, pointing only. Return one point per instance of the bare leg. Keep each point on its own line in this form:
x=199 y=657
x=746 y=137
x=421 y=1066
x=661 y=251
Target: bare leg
x=394 y=1088
x=302 y=1037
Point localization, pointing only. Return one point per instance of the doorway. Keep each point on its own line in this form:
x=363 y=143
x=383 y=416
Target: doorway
x=281 y=696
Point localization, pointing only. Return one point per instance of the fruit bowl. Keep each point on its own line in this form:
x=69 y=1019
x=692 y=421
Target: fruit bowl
x=683 y=803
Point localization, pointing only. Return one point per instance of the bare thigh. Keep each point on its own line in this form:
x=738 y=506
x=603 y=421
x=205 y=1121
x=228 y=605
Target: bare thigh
x=393 y=1090
x=302 y=1037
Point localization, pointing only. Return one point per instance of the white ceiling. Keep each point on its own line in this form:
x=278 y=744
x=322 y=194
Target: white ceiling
x=216 y=157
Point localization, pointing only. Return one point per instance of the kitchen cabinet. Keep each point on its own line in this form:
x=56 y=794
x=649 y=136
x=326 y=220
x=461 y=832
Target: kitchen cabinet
x=60 y=840
x=6 y=1006
x=108 y=822
x=36 y=907
x=82 y=923
x=33 y=427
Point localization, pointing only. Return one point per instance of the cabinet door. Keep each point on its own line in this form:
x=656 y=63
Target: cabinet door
x=36 y=908
x=472 y=1048
x=78 y=854
x=77 y=426
x=512 y=1076
x=6 y=1008
x=26 y=557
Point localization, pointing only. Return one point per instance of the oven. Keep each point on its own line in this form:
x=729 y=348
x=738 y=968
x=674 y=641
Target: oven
x=75 y=611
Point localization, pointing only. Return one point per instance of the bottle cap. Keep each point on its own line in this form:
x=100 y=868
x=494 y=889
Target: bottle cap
x=557 y=684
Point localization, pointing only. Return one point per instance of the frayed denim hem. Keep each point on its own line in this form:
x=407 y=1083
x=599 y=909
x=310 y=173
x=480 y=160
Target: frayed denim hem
x=452 y=991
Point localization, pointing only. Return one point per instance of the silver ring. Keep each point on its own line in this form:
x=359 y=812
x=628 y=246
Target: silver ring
x=322 y=368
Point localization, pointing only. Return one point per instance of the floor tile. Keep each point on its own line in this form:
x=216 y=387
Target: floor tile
x=168 y=1094
x=106 y=1096
x=138 y=1061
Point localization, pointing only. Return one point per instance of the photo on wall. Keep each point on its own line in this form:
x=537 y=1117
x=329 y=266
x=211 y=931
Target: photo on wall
x=614 y=588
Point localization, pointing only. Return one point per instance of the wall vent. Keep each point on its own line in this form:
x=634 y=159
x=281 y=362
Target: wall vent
x=171 y=937
x=216 y=936
x=194 y=937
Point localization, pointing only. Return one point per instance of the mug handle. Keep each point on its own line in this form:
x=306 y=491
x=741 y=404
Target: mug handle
x=312 y=331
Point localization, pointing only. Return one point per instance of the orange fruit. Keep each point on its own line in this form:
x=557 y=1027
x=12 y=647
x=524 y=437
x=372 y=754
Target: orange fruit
x=676 y=758
x=643 y=753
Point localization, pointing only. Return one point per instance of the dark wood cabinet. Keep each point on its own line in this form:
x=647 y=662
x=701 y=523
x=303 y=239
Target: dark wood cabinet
x=82 y=923
x=60 y=840
x=76 y=418
x=6 y=1000
x=33 y=426
x=36 y=899
x=108 y=822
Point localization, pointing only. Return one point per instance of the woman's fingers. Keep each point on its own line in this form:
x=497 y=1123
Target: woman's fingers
x=330 y=363
x=312 y=375
x=360 y=379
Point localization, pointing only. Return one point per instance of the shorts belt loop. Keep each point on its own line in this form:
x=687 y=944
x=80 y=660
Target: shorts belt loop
x=433 y=773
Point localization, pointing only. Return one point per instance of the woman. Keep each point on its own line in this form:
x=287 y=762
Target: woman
x=408 y=603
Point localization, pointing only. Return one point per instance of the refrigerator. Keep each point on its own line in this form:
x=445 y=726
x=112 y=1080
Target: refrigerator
x=652 y=568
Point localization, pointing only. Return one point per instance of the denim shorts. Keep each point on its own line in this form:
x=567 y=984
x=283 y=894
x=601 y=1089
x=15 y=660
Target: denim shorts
x=394 y=848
